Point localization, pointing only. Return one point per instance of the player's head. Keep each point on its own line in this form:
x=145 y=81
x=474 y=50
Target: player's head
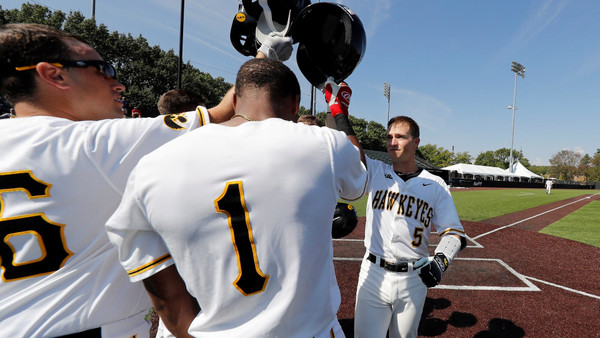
x=311 y=120
x=38 y=65
x=177 y=101
x=402 y=139
x=273 y=78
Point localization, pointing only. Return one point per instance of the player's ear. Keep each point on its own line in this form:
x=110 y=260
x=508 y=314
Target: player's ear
x=52 y=75
x=234 y=99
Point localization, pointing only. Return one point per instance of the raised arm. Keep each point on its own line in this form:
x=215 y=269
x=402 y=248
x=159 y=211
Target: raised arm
x=338 y=100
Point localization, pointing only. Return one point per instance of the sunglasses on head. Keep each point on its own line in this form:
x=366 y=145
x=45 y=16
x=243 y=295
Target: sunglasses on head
x=104 y=67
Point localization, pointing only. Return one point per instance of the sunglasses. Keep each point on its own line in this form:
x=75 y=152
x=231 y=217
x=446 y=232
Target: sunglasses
x=103 y=66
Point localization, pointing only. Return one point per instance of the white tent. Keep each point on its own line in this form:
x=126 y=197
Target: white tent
x=484 y=172
x=520 y=170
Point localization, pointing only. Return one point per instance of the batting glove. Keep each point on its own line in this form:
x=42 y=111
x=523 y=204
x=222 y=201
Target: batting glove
x=277 y=47
x=431 y=274
x=337 y=97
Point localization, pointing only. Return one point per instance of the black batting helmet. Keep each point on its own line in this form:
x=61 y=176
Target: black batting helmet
x=345 y=220
x=331 y=41
x=256 y=19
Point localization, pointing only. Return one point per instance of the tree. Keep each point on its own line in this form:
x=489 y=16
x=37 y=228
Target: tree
x=463 y=157
x=436 y=155
x=501 y=158
x=564 y=164
x=589 y=167
x=539 y=169
x=371 y=135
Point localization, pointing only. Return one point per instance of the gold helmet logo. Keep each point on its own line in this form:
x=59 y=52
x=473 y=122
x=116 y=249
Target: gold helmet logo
x=241 y=17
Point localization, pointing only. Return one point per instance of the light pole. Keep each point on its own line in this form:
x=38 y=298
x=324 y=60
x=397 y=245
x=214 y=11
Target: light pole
x=180 y=62
x=386 y=93
x=519 y=70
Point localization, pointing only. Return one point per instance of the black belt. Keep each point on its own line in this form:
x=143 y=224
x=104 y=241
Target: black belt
x=393 y=267
x=93 y=333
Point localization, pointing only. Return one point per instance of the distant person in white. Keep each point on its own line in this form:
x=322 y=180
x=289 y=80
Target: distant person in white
x=549 y=184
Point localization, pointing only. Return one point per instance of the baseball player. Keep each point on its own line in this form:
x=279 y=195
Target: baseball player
x=405 y=205
x=549 y=186
x=65 y=162
x=249 y=231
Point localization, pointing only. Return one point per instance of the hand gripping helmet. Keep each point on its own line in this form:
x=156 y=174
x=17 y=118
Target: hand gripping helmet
x=331 y=41
x=256 y=19
x=345 y=220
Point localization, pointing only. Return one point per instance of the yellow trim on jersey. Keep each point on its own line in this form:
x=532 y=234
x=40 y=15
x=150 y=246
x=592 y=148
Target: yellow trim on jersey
x=24 y=189
x=200 y=116
x=40 y=245
x=63 y=243
x=461 y=232
x=146 y=267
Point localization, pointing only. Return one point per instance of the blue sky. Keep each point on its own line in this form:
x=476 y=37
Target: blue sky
x=448 y=64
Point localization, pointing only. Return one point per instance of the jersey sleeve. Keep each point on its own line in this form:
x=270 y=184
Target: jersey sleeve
x=351 y=173
x=117 y=145
x=141 y=250
x=445 y=218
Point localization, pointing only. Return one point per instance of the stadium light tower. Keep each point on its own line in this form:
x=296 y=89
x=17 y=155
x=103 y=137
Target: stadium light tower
x=386 y=93
x=180 y=61
x=519 y=70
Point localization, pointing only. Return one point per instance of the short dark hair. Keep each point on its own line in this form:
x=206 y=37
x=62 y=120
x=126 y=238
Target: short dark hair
x=413 y=127
x=311 y=120
x=267 y=74
x=179 y=101
x=26 y=44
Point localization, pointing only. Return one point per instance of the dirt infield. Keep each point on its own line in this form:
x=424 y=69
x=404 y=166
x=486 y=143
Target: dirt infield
x=510 y=281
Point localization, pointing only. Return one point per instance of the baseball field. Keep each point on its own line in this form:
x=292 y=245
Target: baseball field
x=529 y=268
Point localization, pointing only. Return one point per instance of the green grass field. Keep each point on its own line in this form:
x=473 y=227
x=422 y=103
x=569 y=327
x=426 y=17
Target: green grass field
x=582 y=226
x=477 y=205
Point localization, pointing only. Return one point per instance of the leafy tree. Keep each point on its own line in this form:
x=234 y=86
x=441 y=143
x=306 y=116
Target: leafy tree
x=564 y=164
x=443 y=157
x=501 y=158
x=462 y=157
x=539 y=169
x=589 y=167
x=437 y=155
x=303 y=111
x=375 y=136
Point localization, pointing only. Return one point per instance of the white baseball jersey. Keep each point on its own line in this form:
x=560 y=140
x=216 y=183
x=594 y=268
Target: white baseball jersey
x=245 y=213
x=401 y=215
x=60 y=181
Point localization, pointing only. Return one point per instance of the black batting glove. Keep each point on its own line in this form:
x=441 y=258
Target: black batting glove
x=431 y=274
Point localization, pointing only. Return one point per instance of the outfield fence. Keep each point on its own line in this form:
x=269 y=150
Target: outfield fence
x=467 y=183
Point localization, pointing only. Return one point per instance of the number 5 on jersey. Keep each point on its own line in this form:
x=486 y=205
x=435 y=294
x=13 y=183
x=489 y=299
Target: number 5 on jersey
x=250 y=279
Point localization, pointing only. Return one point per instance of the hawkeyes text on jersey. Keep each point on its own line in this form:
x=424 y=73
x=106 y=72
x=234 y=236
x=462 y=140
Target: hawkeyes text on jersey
x=407 y=205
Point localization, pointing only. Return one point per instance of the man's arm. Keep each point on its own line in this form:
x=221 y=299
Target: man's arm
x=171 y=300
x=224 y=110
x=338 y=100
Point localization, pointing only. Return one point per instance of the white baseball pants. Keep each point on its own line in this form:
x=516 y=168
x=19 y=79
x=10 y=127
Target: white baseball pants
x=385 y=300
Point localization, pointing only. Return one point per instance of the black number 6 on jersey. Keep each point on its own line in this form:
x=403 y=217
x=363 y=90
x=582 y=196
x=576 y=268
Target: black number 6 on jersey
x=50 y=236
x=250 y=279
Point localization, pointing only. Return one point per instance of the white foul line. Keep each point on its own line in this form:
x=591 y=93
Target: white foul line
x=532 y=217
x=564 y=287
